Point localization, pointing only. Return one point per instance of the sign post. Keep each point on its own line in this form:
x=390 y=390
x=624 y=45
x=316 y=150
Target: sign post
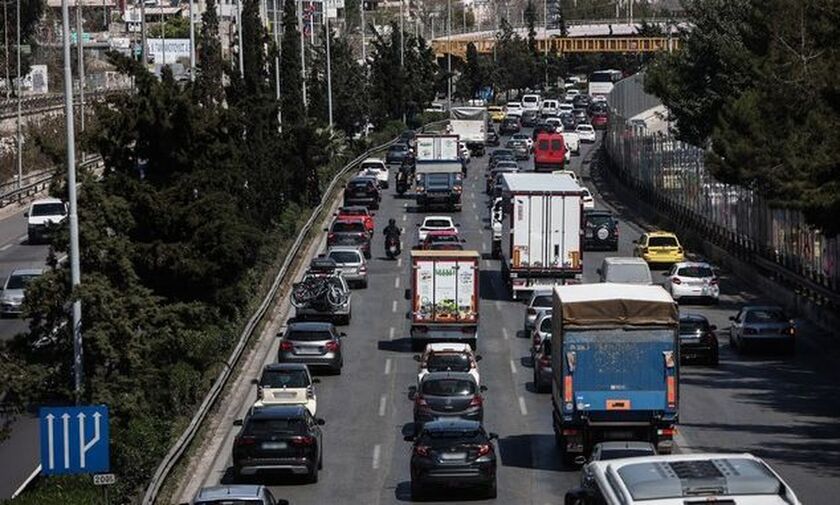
x=104 y=480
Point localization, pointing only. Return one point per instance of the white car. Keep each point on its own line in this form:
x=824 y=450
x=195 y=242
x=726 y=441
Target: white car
x=464 y=151
x=448 y=357
x=377 y=168
x=286 y=384
x=531 y=102
x=588 y=201
x=692 y=280
x=567 y=172
x=42 y=214
x=524 y=136
x=565 y=107
x=513 y=109
x=435 y=223
x=586 y=132
x=599 y=98
x=556 y=123
x=572 y=142
x=571 y=94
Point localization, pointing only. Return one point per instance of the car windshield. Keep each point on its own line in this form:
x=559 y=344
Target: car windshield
x=766 y=316
x=448 y=362
x=234 y=501
x=359 y=184
x=597 y=220
x=696 y=271
x=284 y=379
x=308 y=336
x=501 y=152
x=344 y=227
x=353 y=212
x=258 y=427
x=543 y=301
x=692 y=326
x=398 y=148
x=19 y=281
x=346 y=256
x=446 y=438
x=662 y=242
x=437 y=180
x=448 y=387
x=371 y=166
x=584 y=128
x=437 y=223
x=48 y=209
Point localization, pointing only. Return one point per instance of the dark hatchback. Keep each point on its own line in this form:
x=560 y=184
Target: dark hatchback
x=542 y=367
x=499 y=155
x=509 y=125
x=448 y=395
x=397 y=153
x=600 y=231
x=492 y=137
x=362 y=191
x=698 y=341
x=351 y=232
x=453 y=453
x=530 y=118
x=278 y=438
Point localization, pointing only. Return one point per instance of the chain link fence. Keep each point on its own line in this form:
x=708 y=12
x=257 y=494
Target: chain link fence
x=672 y=176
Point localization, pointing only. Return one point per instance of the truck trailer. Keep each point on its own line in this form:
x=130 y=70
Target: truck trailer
x=541 y=244
x=615 y=366
x=470 y=124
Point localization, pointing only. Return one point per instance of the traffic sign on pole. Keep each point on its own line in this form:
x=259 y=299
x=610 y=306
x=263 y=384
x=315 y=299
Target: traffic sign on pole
x=74 y=440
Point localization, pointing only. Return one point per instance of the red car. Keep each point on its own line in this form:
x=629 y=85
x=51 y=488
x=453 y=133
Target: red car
x=600 y=121
x=549 y=152
x=438 y=237
x=358 y=211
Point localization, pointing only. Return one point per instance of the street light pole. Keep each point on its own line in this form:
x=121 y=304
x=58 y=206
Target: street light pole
x=302 y=58
x=402 y=44
x=239 y=37
x=449 y=53
x=192 y=42
x=73 y=219
x=545 y=39
x=364 y=50
x=81 y=63
x=144 y=57
x=329 y=66
x=19 y=99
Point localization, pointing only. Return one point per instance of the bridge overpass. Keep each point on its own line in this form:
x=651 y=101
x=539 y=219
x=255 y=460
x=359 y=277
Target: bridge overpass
x=599 y=37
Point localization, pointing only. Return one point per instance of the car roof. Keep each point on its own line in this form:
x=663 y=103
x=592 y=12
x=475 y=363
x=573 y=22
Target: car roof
x=627 y=444
x=278 y=411
x=624 y=260
x=451 y=425
x=353 y=208
x=762 y=307
x=692 y=264
x=27 y=271
x=229 y=492
x=46 y=200
x=276 y=367
x=448 y=375
x=309 y=326
x=373 y=160
x=448 y=347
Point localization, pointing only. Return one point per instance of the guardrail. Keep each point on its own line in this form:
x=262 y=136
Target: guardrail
x=177 y=450
x=35 y=183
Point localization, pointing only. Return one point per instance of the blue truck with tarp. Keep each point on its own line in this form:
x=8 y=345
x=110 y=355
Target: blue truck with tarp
x=615 y=366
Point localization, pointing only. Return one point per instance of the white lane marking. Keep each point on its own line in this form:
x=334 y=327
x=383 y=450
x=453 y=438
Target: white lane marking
x=505 y=333
x=399 y=262
x=405 y=217
x=391 y=333
x=473 y=204
x=512 y=367
x=522 y=408
x=483 y=246
x=21 y=239
x=5 y=247
x=397 y=283
x=387 y=366
x=498 y=305
x=382 y=401
x=377 y=452
x=394 y=306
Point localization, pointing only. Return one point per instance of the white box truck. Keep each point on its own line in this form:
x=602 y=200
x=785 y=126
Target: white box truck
x=443 y=297
x=541 y=242
x=470 y=124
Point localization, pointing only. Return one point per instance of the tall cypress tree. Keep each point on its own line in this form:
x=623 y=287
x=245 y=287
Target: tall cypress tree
x=209 y=86
x=291 y=96
x=253 y=41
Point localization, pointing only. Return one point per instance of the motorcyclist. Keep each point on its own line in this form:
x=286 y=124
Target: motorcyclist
x=392 y=232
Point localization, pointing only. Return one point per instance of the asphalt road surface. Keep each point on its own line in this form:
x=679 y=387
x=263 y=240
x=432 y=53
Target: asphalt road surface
x=783 y=409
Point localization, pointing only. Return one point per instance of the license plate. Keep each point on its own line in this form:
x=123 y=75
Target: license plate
x=618 y=435
x=308 y=350
x=283 y=396
x=453 y=456
x=274 y=446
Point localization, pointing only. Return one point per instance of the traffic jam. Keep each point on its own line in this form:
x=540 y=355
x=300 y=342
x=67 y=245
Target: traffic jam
x=491 y=216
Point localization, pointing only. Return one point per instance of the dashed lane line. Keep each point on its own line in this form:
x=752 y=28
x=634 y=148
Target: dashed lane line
x=523 y=409
x=513 y=369
x=382 y=403
x=387 y=366
x=377 y=455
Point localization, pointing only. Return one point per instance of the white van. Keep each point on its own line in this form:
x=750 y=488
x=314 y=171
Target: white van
x=625 y=270
x=549 y=108
x=531 y=102
x=680 y=479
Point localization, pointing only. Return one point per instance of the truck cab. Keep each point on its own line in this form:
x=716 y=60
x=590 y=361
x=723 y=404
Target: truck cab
x=439 y=184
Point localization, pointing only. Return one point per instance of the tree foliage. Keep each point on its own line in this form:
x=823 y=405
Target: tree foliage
x=756 y=81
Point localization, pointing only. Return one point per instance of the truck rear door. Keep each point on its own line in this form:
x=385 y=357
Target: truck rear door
x=445 y=290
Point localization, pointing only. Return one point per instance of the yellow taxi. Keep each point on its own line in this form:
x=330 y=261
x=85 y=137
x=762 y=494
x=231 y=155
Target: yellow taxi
x=659 y=247
x=497 y=113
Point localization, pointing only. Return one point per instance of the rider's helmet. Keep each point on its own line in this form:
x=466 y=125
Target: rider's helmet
x=392 y=222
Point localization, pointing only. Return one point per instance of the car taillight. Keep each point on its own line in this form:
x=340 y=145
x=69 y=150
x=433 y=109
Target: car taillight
x=244 y=441
x=645 y=250
x=790 y=330
x=332 y=346
x=713 y=282
x=483 y=450
x=676 y=280
x=303 y=441
x=421 y=450
x=363 y=269
x=680 y=250
x=545 y=360
x=330 y=236
x=285 y=345
x=477 y=401
x=666 y=432
x=419 y=401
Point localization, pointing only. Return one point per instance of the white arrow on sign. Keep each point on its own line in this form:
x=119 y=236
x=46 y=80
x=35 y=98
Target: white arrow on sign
x=50 y=441
x=65 y=419
x=85 y=447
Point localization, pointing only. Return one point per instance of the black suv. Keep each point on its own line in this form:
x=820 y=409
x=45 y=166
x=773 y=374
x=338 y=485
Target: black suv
x=453 y=452
x=278 y=438
x=698 y=340
x=362 y=190
x=397 y=153
x=509 y=125
x=530 y=118
x=600 y=231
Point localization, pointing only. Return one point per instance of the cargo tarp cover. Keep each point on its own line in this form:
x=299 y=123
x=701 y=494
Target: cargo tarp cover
x=608 y=304
x=473 y=113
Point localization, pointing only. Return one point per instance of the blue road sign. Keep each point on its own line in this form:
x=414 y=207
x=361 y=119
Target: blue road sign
x=74 y=440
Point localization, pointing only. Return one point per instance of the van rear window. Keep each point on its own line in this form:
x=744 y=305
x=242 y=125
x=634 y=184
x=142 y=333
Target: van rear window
x=556 y=145
x=543 y=145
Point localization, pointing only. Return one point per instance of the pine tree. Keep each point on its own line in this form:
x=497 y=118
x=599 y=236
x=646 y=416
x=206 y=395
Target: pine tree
x=291 y=78
x=209 y=85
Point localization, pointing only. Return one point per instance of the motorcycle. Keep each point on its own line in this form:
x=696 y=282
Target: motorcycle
x=402 y=183
x=392 y=246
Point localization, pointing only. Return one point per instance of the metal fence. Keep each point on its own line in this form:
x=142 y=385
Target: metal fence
x=672 y=176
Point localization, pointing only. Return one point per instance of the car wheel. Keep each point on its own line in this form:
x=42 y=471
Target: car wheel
x=714 y=359
x=312 y=478
x=491 y=491
x=321 y=460
x=416 y=491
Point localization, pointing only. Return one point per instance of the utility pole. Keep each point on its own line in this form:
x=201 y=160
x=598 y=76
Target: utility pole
x=73 y=218
x=192 y=43
x=6 y=42
x=329 y=65
x=19 y=99
x=143 y=55
x=162 y=39
x=363 y=27
x=276 y=55
x=449 y=54
x=402 y=43
x=545 y=39
x=302 y=58
x=80 y=48
x=239 y=37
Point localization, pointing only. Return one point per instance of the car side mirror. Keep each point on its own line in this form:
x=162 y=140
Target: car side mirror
x=478 y=358
x=320 y=421
x=483 y=388
x=635 y=241
x=493 y=436
x=713 y=327
x=316 y=380
x=326 y=229
x=418 y=225
x=237 y=422
x=416 y=357
x=598 y=271
x=255 y=381
x=407 y=294
x=409 y=438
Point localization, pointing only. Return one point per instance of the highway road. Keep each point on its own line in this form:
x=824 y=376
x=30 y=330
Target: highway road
x=783 y=409
x=19 y=453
